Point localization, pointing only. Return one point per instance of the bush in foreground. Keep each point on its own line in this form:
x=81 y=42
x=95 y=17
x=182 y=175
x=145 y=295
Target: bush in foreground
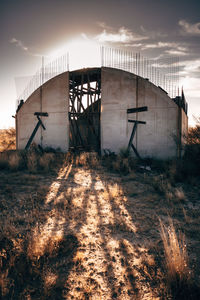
x=32 y=160
x=178 y=274
x=7 y=139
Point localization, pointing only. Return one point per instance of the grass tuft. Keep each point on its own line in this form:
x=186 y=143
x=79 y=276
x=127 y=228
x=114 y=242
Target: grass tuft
x=178 y=273
x=87 y=159
x=32 y=160
x=7 y=139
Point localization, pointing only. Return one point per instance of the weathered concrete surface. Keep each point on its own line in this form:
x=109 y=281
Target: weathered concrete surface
x=52 y=98
x=160 y=137
x=157 y=138
x=184 y=129
x=26 y=121
x=122 y=90
x=117 y=94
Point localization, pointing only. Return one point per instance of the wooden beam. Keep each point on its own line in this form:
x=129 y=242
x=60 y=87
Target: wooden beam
x=82 y=113
x=42 y=114
x=132 y=135
x=135 y=150
x=39 y=123
x=138 y=122
x=136 y=109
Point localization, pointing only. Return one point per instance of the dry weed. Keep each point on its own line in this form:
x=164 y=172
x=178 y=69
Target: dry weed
x=4 y=160
x=46 y=160
x=161 y=185
x=121 y=165
x=179 y=193
x=32 y=162
x=93 y=160
x=82 y=159
x=176 y=259
x=115 y=191
x=7 y=139
x=15 y=161
x=87 y=159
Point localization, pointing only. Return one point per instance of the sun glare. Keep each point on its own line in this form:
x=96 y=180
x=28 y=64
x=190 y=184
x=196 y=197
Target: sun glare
x=83 y=52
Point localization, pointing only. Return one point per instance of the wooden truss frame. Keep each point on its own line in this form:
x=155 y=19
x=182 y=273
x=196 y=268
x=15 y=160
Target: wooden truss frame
x=84 y=104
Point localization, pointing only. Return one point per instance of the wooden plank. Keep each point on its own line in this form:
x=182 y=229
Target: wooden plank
x=137 y=109
x=89 y=91
x=72 y=103
x=43 y=114
x=132 y=135
x=82 y=113
x=136 y=152
x=40 y=121
x=72 y=131
x=32 y=135
x=78 y=132
x=138 y=122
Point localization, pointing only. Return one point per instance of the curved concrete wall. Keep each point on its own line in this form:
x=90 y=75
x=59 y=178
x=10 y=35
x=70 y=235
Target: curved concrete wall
x=117 y=94
x=160 y=137
x=52 y=97
x=122 y=90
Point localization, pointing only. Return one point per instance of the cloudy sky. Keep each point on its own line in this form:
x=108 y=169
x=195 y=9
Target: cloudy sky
x=30 y=29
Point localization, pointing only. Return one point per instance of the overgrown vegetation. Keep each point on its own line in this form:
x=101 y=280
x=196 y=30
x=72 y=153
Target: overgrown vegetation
x=192 y=152
x=7 y=139
x=32 y=160
x=178 y=273
x=79 y=232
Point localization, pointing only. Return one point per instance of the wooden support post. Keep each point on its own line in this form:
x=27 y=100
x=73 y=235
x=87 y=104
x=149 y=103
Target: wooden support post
x=39 y=123
x=132 y=135
x=130 y=144
x=136 y=122
x=137 y=109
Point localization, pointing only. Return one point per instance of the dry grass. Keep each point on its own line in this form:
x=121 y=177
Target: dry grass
x=179 y=275
x=87 y=159
x=7 y=139
x=123 y=163
x=32 y=160
x=84 y=233
x=14 y=161
x=175 y=255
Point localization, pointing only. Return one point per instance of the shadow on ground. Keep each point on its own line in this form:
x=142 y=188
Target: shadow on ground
x=86 y=234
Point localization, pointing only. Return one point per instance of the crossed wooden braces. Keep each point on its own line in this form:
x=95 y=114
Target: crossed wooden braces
x=39 y=123
x=130 y=111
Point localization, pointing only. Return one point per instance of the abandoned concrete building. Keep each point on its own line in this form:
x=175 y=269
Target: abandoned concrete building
x=103 y=108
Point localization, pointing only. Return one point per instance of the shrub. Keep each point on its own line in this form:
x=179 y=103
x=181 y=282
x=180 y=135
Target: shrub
x=45 y=161
x=121 y=165
x=193 y=137
x=87 y=159
x=124 y=153
x=14 y=161
x=178 y=274
x=7 y=139
x=3 y=160
x=32 y=160
x=191 y=159
x=93 y=160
